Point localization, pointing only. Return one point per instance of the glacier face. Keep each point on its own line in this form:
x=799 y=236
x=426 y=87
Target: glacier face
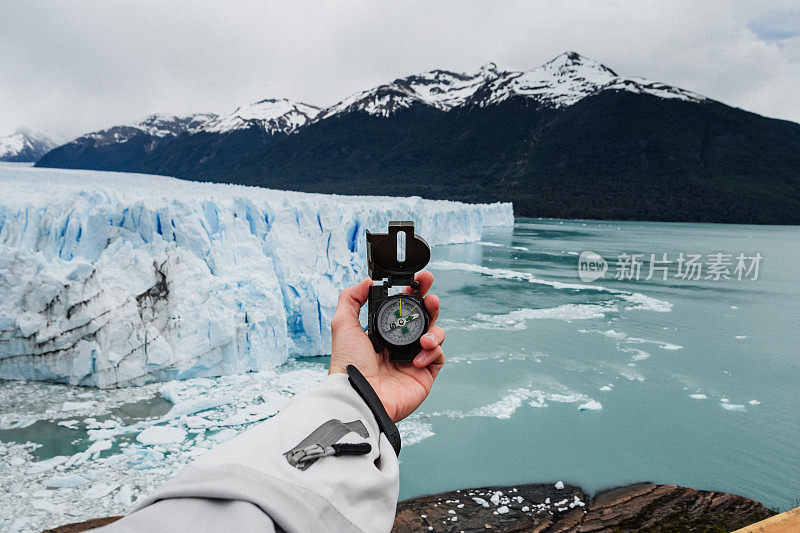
x=113 y=279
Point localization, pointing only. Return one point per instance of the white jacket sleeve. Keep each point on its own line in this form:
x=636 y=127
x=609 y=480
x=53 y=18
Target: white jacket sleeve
x=253 y=483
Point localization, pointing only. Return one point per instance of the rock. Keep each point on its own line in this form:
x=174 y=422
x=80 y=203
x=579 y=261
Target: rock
x=633 y=508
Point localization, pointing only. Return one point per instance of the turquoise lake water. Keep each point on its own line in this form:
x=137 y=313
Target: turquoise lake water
x=735 y=342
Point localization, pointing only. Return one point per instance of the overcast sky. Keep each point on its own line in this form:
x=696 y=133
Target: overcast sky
x=73 y=67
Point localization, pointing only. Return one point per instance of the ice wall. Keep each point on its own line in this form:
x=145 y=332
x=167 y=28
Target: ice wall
x=112 y=279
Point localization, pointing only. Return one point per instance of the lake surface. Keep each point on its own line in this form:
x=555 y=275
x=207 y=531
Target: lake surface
x=734 y=342
x=601 y=383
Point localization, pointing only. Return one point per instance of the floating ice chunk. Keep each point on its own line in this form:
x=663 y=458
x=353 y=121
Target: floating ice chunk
x=125 y=496
x=65 y=482
x=102 y=434
x=523 y=248
x=732 y=406
x=754 y=402
x=100 y=446
x=605 y=388
x=724 y=400
x=99 y=490
x=559 y=485
x=413 y=430
x=141 y=459
x=75 y=406
x=69 y=424
x=196 y=405
x=222 y=436
x=170 y=392
x=197 y=422
x=50 y=507
x=248 y=415
x=698 y=397
x=740 y=337
x=591 y=405
x=161 y=435
x=47 y=464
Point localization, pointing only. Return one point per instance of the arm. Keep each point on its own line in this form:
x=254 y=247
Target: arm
x=258 y=481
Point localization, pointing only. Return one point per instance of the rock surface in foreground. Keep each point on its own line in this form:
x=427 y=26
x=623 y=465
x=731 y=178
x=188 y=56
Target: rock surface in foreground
x=543 y=508
x=640 y=507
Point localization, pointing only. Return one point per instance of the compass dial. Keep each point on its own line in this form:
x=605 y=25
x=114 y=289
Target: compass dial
x=401 y=321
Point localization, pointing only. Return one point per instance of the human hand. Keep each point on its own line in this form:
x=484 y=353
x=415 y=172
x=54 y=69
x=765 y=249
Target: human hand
x=400 y=387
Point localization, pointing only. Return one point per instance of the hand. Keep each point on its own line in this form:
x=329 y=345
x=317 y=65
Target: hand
x=401 y=387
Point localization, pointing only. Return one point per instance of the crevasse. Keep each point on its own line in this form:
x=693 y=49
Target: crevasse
x=112 y=279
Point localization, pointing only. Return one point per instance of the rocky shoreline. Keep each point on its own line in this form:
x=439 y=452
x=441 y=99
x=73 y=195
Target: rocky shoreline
x=559 y=507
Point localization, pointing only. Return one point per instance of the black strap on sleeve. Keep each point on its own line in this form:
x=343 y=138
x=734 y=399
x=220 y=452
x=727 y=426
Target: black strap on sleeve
x=364 y=389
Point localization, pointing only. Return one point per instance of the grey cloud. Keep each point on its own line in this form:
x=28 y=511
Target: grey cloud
x=72 y=67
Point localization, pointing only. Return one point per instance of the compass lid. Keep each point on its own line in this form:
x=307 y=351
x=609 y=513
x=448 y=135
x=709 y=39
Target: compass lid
x=398 y=254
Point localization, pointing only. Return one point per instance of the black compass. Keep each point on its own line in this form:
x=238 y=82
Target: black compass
x=397 y=322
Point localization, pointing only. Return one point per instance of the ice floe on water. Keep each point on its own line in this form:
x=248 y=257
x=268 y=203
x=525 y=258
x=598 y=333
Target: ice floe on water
x=513 y=399
x=591 y=405
x=127 y=450
x=698 y=397
x=414 y=429
x=636 y=300
x=732 y=406
x=517 y=319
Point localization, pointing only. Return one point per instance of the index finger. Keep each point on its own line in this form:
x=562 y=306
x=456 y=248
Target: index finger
x=425 y=279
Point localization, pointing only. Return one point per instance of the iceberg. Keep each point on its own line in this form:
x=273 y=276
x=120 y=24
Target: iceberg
x=113 y=279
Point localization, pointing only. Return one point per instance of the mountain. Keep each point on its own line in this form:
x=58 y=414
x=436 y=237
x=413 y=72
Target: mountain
x=123 y=147
x=271 y=116
x=24 y=146
x=570 y=138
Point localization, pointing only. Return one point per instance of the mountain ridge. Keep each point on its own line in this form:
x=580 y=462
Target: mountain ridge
x=570 y=138
x=25 y=146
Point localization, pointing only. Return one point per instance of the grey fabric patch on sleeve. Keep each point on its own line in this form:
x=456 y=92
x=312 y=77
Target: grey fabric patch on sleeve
x=328 y=433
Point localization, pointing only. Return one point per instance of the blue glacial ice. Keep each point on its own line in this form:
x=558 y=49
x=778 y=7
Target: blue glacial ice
x=113 y=279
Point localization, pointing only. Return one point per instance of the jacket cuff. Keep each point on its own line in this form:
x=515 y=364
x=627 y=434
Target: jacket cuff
x=367 y=393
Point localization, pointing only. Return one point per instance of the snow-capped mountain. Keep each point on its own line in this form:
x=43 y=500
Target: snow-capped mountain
x=270 y=115
x=561 y=81
x=569 y=138
x=567 y=79
x=24 y=146
x=157 y=126
x=440 y=89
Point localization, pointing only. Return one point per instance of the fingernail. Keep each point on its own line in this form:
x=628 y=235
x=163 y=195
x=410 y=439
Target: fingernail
x=432 y=338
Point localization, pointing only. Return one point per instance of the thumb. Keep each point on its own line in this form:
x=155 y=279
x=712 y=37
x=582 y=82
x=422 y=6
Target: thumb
x=351 y=300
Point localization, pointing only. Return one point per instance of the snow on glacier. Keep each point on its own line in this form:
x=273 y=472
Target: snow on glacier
x=114 y=279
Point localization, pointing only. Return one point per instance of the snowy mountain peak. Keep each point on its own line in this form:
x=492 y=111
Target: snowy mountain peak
x=564 y=80
x=567 y=79
x=272 y=115
x=24 y=145
x=156 y=125
x=440 y=89
x=572 y=62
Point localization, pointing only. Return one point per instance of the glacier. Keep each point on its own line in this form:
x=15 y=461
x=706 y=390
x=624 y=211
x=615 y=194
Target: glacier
x=112 y=279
